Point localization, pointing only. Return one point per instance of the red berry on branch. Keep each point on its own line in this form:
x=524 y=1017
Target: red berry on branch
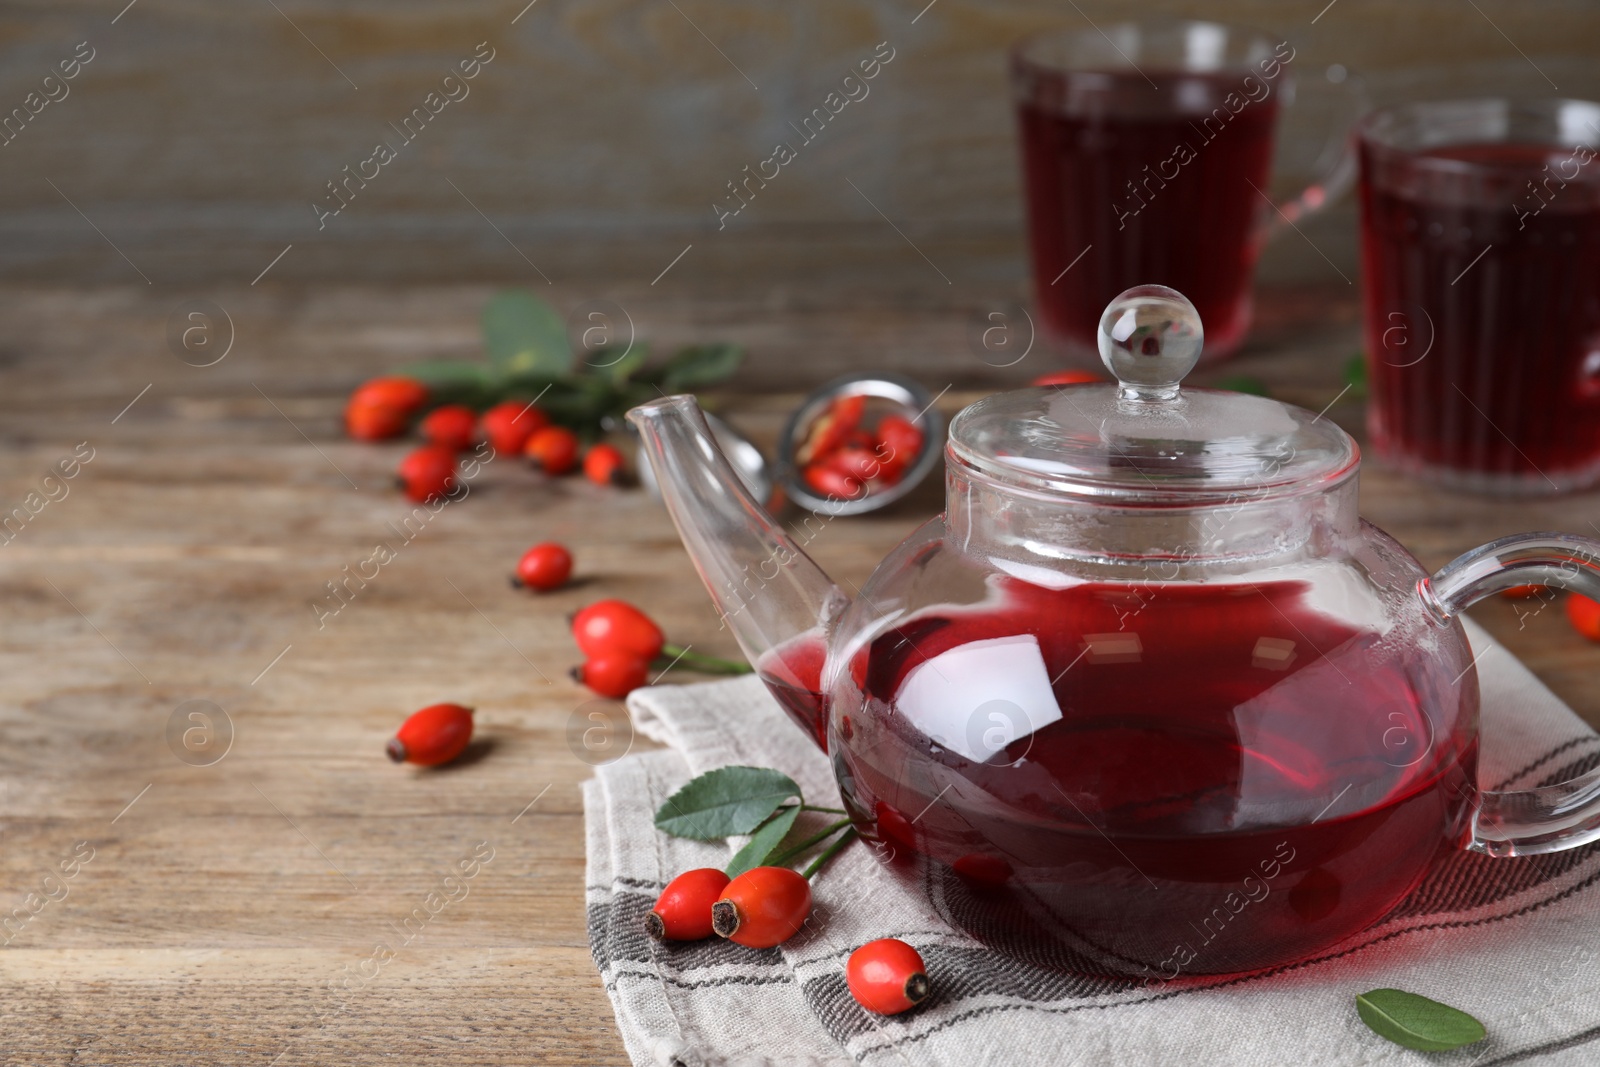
x=508 y=425
x=554 y=449
x=405 y=395
x=544 y=567
x=886 y=976
x=615 y=626
x=452 y=426
x=764 y=906
x=683 y=910
x=604 y=465
x=613 y=674
x=428 y=472
x=436 y=734
x=372 y=421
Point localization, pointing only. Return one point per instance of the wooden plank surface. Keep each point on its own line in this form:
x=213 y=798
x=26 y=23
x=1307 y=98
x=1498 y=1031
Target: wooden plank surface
x=597 y=140
x=226 y=911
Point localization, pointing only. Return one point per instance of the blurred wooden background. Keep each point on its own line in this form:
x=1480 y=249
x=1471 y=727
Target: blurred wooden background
x=602 y=132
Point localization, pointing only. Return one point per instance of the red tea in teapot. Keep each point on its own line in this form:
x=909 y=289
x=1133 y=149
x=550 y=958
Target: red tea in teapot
x=1169 y=779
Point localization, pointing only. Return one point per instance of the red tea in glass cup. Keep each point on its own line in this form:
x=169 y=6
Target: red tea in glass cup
x=1480 y=237
x=1146 y=156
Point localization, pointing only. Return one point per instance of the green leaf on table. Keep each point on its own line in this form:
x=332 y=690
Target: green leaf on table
x=524 y=336
x=700 y=365
x=724 y=802
x=764 y=843
x=1417 y=1022
x=1243 y=383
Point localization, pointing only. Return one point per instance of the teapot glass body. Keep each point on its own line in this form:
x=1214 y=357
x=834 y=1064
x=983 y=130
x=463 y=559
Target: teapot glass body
x=1147 y=765
x=1149 y=698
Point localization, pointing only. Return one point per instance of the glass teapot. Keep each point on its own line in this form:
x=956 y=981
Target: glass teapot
x=1149 y=698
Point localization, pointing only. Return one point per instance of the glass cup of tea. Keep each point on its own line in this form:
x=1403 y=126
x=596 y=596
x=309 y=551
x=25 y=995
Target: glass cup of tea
x=1480 y=247
x=1146 y=155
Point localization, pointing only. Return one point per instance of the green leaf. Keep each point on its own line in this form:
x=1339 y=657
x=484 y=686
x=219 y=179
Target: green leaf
x=524 y=335
x=453 y=381
x=1417 y=1022
x=617 y=367
x=1355 y=372
x=724 y=802
x=764 y=843
x=445 y=371
x=1243 y=383
x=700 y=365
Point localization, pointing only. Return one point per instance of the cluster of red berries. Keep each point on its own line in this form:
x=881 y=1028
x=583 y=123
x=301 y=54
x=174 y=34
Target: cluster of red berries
x=622 y=646
x=619 y=642
x=384 y=408
x=842 y=458
x=765 y=906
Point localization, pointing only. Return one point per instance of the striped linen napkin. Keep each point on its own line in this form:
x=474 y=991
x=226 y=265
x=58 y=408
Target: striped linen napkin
x=1513 y=941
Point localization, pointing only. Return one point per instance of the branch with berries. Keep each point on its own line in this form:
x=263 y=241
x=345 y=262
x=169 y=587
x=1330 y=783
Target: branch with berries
x=624 y=648
x=757 y=900
x=531 y=396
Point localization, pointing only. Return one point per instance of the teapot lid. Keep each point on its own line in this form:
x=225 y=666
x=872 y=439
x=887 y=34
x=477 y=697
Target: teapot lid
x=1144 y=438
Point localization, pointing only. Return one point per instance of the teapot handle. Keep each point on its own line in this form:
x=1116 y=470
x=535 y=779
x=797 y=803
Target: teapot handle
x=1524 y=822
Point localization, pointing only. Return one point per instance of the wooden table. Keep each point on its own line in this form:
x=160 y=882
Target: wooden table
x=227 y=910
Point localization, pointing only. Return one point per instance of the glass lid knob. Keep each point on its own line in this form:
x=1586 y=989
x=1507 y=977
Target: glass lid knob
x=1149 y=338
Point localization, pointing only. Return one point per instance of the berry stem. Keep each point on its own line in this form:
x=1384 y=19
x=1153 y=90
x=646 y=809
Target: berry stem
x=678 y=656
x=816 y=864
x=830 y=811
x=817 y=838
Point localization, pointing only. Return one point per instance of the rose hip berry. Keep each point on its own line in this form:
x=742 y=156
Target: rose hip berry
x=615 y=626
x=452 y=426
x=604 y=465
x=1584 y=614
x=900 y=438
x=508 y=425
x=405 y=395
x=613 y=674
x=764 y=906
x=373 y=421
x=544 y=567
x=428 y=472
x=432 y=736
x=829 y=481
x=886 y=976
x=683 y=910
x=833 y=428
x=553 y=449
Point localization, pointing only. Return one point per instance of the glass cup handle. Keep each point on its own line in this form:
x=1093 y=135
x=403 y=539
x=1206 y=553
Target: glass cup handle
x=1525 y=822
x=1337 y=162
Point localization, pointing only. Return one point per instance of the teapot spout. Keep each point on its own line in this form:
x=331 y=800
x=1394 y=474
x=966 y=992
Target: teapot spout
x=776 y=600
